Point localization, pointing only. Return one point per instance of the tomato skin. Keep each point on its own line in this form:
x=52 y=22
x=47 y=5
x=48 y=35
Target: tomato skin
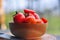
x=27 y=11
x=39 y=21
x=36 y=16
x=19 y=18
x=30 y=19
x=44 y=20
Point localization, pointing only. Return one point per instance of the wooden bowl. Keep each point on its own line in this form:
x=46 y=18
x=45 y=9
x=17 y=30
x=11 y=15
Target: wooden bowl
x=27 y=30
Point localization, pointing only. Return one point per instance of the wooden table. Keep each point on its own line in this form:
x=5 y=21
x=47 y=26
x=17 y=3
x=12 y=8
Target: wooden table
x=8 y=36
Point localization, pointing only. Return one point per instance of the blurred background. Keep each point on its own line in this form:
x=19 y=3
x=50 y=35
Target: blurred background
x=45 y=8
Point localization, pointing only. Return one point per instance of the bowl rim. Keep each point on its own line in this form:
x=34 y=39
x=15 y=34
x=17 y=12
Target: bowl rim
x=27 y=23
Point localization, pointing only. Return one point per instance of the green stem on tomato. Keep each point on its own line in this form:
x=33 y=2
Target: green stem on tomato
x=16 y=12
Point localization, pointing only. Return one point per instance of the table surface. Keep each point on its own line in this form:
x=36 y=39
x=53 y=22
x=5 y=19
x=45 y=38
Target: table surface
x=8 y=36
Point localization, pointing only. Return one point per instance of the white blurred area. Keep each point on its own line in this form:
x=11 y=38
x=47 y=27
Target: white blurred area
x=40 y=5
x=14 y=5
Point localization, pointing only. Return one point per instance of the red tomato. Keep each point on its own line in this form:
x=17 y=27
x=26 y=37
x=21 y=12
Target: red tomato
x=19 y=18
x=29 y=11
x=39 y=21
x=30 y=19
x=44 y=20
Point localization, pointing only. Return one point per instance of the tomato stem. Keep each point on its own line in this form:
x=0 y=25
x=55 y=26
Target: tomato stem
x=16 y=12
